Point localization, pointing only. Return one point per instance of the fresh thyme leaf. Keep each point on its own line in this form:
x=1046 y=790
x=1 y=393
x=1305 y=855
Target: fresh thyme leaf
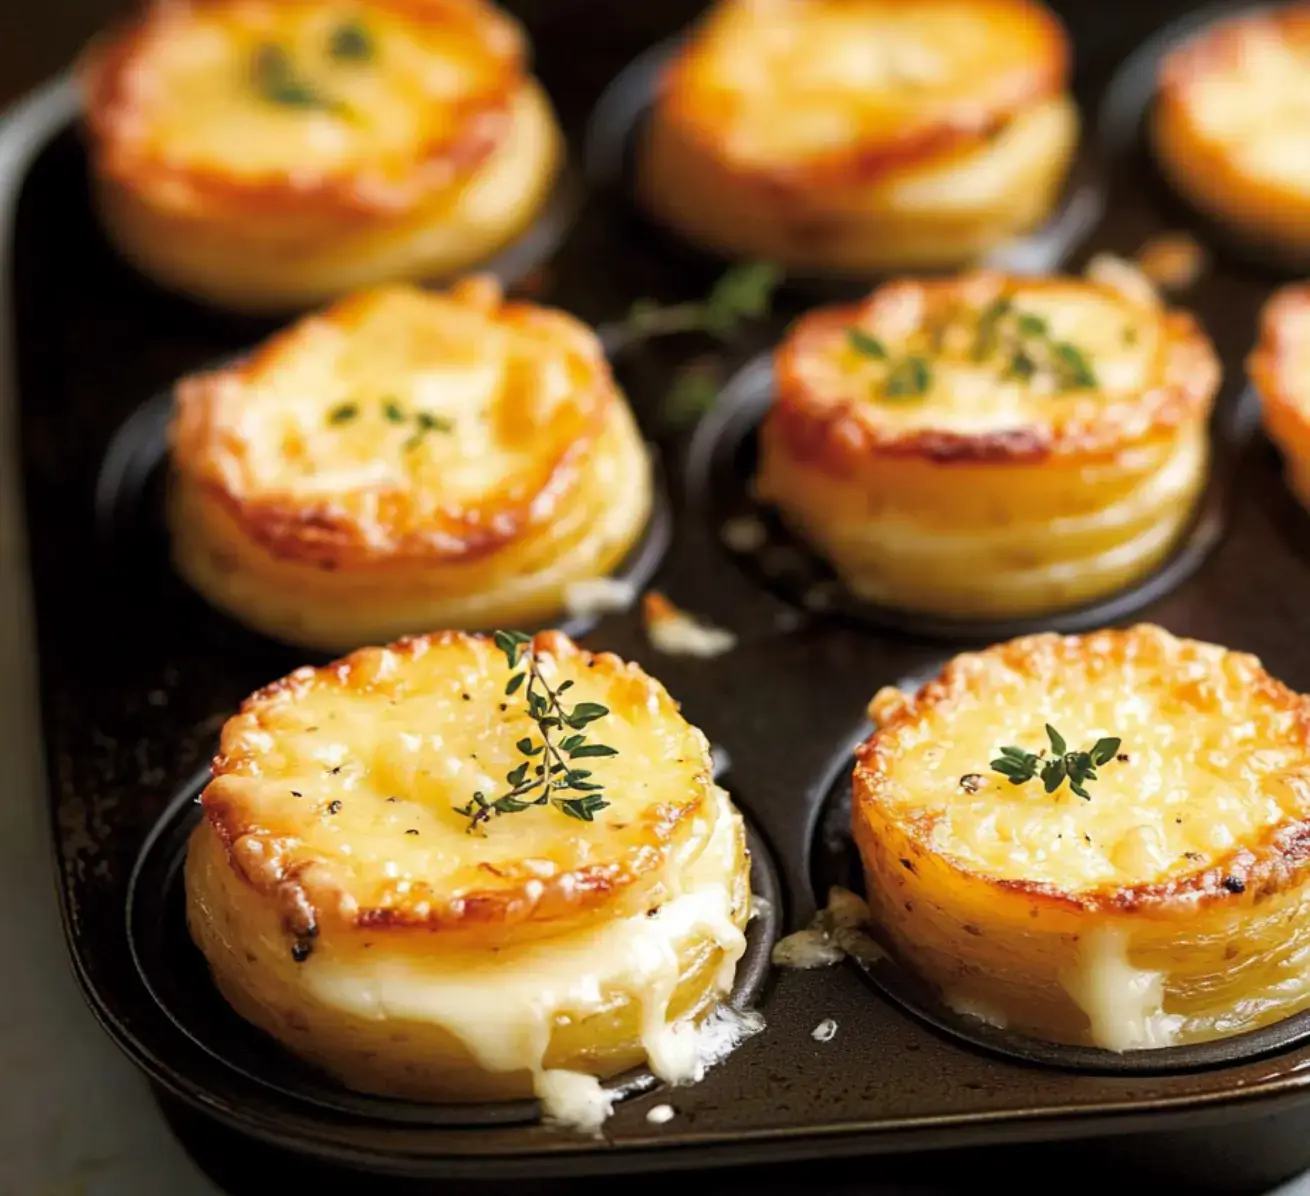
x=743 y=292
x=517 y=776
x=343 y=414
x=1021 y=367
x=350 y=42
x=428 y=422
x=572 y=742
x=985 y=341
x=909 y=379
x=511 y=687
x=1075 y=373
x=1031 y=325
x=1076 y=767
x=391 y=410
x=1105 y=750
x=584 y=713
x=276 y=81
x=862 y=342
x=591 y=749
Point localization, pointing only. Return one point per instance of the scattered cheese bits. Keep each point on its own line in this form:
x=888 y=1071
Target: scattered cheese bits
x=1173 y=261
x=661 y=1114
x=836 y=932
x=598 y=596
x=1123 y=276
x=825 y=1031
x=677 y=633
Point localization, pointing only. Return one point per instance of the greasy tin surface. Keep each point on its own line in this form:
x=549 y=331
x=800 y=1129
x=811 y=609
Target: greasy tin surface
x=135 y=686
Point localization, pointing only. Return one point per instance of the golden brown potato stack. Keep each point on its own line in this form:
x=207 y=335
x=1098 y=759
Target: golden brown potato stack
x=1095 y=839
x=990 y=446
x=1231 y=121
x=364 y=893
x=406 y=460
x=860 y=135
x=268 y=155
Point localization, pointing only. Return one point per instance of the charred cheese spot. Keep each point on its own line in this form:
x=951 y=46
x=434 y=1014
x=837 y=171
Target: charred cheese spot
x=267 y=155
x=1231 y=120
x=1112 y=920
x=990 y=446
x=862 y=135
x=518 y=958
x=404 y=460
x=1279 y=368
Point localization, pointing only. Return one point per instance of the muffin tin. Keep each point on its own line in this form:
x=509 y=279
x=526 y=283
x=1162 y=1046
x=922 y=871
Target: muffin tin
x=137 y=678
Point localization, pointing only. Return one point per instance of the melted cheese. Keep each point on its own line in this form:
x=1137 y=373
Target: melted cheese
x=199 y=103
x=804 y=82
x=503 y=1007
x=677 y=633
x=1204 y=771
x=1124 y=1004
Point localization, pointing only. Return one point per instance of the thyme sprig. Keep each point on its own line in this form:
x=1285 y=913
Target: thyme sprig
x=1021 y=339
x=1076 y=767
x=546 y=775
x=276 y=80
x=743 y=293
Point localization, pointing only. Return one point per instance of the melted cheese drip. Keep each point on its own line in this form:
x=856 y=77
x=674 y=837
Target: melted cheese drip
x=793 y=80
x=503 y=1008
x=1203 y=773
x=1119 y=341
x=1124 y=1004
x=204 y=108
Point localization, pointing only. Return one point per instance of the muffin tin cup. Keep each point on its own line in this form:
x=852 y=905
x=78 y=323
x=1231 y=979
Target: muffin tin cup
x=613 y=138
x=721 y=463
x=133 y=539
x=835 y=861
x=137 y=678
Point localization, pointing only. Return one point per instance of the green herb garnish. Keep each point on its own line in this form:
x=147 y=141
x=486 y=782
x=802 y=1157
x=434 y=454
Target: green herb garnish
x=909 y=379
x=392 y=413
x=1072 y=367
x=863 y=343
x=276 y=81
x=350 y=42
x=546 y=775
x=1060 y=765
x=343 y=414
x=425 y=422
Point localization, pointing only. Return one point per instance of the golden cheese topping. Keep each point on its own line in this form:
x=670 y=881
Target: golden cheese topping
x=373 y=105
x=357 y=785
x=861 y=84
x=990 y=366
x=1211 y=768
x=1241 y=83
x=401 y=423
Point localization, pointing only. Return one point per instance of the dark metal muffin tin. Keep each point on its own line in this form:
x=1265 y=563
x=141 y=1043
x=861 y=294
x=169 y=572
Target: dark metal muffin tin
x=135 y=684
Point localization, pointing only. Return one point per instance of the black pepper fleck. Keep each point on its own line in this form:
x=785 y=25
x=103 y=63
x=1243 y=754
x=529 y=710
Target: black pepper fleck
x=909 y=866
x=411 y=832
x=300 y=950
x=1122 y=757
x=1234 y=884
x=393 y=799
x=970 y=928
x=294 y=793
x=466 y=697
x=334 y=807
x=334 y=771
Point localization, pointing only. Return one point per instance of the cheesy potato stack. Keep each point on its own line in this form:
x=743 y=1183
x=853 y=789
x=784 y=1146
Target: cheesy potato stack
x=265 y=155
x=1096 y=839
x=1231 y=121
x=368 y=890
x=989 y=446
x=858 y=135
x=1279 y=368
x=406 y=460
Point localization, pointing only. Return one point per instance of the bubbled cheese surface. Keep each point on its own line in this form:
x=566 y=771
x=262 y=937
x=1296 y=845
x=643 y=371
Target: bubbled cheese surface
x=356 y=773
x=401 y=421
x=1209 y=764
x=779 y=81
x=972 y=387
x=1242 y=83
x=198 y=103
